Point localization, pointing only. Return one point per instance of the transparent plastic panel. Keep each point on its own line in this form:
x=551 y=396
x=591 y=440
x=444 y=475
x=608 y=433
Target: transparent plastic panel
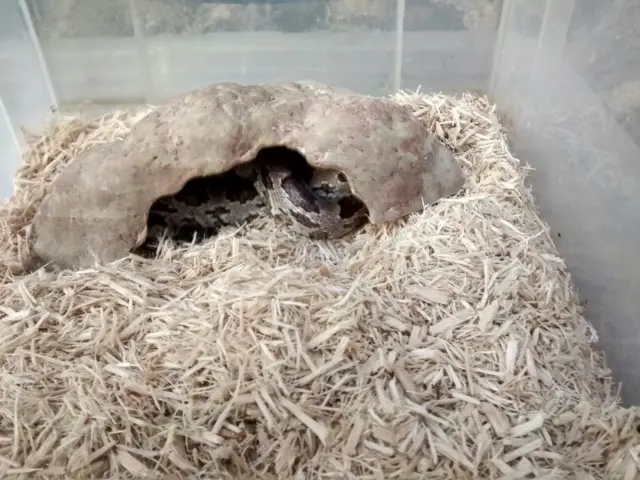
x=448 y=44
x=91 y=50
x=26 y=96
x=10 y=148
x=566 y=75
x=193 y=44
x=136 y=51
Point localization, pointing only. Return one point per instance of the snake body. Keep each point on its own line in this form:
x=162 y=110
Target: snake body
x=316 y=203
x=325 y=212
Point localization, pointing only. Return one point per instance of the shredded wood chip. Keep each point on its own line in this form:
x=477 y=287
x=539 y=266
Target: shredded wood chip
x=449 y=345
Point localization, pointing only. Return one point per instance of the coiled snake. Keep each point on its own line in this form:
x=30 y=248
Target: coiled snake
x=316 y=203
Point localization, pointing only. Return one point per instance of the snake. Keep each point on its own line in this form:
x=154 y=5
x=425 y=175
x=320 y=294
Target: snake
x=316 y=203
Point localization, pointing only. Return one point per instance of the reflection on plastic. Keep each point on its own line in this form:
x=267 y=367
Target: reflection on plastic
x=10 y=148
x=557 y=83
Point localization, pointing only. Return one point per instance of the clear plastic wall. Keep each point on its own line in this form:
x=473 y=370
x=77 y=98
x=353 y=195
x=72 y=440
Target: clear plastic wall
x=125 y=51
x=26 y=95
x=565 y=74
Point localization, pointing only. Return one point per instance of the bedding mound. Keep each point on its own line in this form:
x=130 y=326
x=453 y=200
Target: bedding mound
x=448 y=345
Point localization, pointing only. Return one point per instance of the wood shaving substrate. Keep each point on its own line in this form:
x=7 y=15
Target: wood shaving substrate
x=450 y=345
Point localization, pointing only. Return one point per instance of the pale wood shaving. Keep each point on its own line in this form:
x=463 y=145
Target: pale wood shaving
x=450 y=345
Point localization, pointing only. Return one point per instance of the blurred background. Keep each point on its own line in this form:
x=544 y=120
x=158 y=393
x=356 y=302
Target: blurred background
x=565 y=75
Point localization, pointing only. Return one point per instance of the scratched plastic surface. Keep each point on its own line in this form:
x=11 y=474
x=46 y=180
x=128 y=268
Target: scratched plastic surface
x=567 y=78
x=24 y=92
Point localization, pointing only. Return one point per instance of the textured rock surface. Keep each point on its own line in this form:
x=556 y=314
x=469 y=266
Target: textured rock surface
x=97 y=207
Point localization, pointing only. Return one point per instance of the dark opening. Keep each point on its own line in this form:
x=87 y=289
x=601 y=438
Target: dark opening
x=207 y=204
x=286 y=157
x=201 y=208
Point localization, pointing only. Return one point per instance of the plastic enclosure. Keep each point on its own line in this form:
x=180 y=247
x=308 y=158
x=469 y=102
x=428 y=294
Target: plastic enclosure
x=26 y=95
x=563 y=72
